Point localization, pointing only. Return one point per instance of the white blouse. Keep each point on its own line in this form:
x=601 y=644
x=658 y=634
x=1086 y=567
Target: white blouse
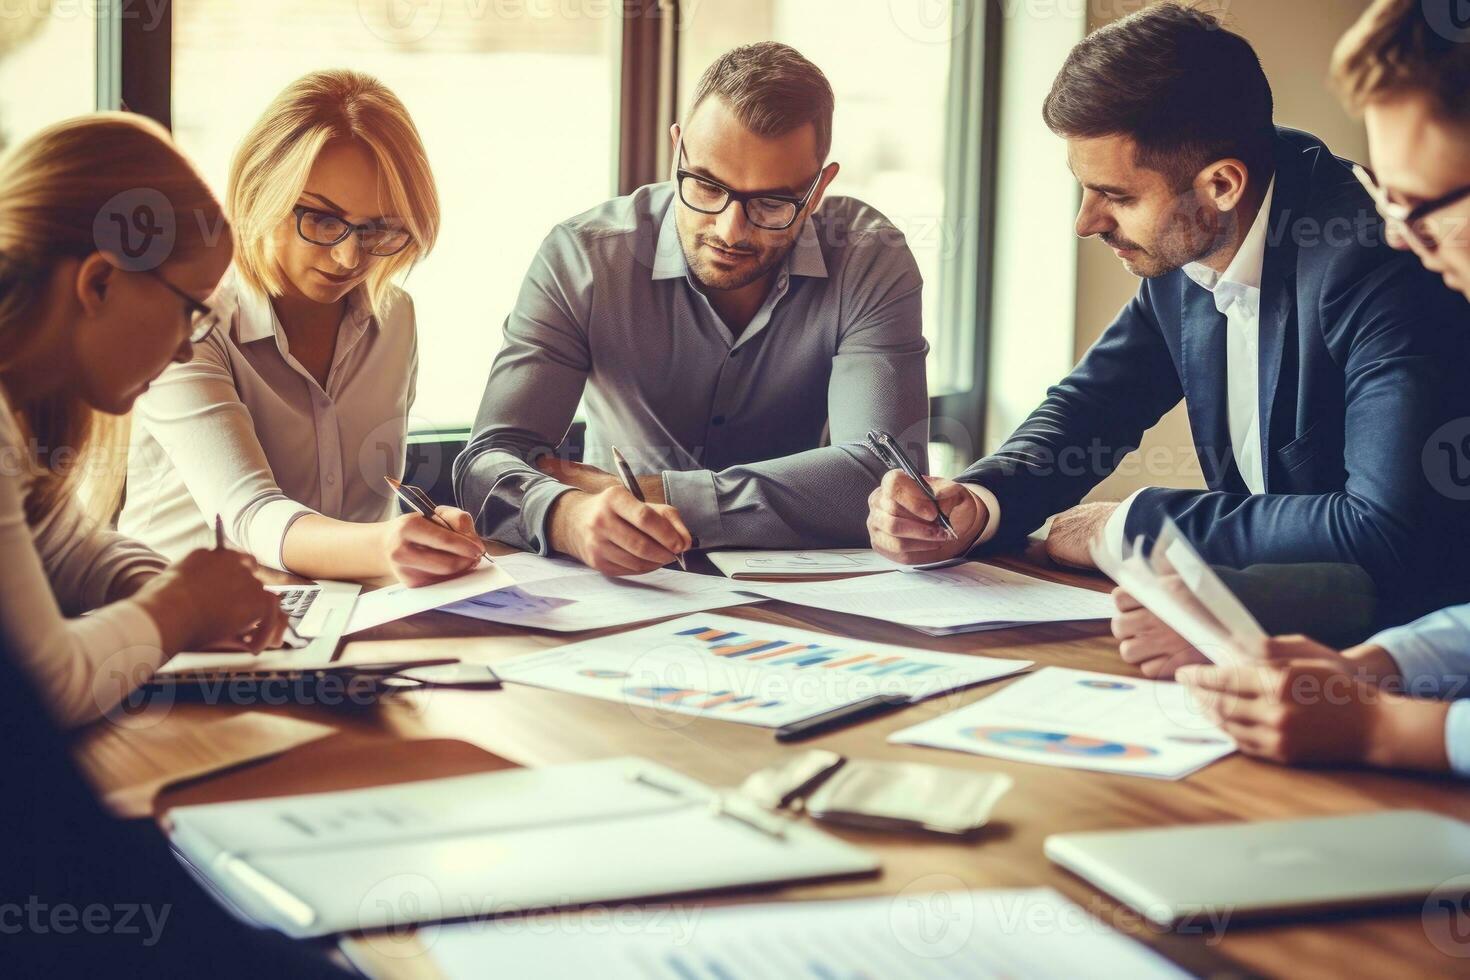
x=63 y=567
x=245 y=432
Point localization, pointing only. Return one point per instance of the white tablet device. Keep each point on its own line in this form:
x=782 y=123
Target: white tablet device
x=1273 y=868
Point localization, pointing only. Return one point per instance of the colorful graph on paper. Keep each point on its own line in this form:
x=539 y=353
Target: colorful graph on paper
x=746 y=671
x=1058 y=743
x=756 y=647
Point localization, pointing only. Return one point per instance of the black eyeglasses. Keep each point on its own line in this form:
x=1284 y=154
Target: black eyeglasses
x=201 y=318
x=1403 y=218
x=772 y=212
x=327 y=229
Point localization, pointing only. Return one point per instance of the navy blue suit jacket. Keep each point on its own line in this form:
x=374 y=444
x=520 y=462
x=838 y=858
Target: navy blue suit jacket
x=1363 y=357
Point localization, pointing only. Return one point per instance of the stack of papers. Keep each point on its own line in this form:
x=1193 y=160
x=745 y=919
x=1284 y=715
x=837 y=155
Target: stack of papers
x=1082 y=720
x=1175 y=584
x=914 y=936
x=556 y=594
x=941 y=602
x=746 y=671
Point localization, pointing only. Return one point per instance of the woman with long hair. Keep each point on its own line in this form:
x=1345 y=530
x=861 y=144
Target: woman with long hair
x=110 y=244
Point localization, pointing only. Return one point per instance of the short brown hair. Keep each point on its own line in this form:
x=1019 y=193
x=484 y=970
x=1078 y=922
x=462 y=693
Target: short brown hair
x=772 y=89
x=1175 y=81
x=1395 y=47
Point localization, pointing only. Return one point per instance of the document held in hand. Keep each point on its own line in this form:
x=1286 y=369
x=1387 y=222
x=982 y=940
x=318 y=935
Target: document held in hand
x=1175 y=584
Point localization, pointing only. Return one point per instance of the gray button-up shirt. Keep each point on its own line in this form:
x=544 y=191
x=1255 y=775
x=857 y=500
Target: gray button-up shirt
x=735 y=424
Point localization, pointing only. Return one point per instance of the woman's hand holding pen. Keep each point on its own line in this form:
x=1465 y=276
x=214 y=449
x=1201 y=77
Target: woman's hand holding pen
x=903 y=523
x=421 y=551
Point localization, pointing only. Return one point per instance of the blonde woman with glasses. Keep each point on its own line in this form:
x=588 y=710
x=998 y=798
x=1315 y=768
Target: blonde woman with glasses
x=110 y=244
x=291 y=415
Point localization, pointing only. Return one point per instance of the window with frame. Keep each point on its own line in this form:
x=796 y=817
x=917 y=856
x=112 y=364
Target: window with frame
x=533 y=110
x=516 y=107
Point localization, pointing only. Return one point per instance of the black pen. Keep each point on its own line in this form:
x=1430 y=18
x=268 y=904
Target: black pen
x=891 y=455
x=837 y=717
x=420 y=504
x=630 y=483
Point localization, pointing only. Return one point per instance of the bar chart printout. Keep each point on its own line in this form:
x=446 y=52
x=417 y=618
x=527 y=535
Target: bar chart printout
x=746 y=671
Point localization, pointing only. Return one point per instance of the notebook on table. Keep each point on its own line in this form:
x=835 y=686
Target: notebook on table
x=474 y=846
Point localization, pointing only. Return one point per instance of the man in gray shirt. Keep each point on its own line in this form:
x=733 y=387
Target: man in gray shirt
x=717 y=325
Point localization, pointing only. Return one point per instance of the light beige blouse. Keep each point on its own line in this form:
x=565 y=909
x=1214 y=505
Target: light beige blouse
x=244 y=431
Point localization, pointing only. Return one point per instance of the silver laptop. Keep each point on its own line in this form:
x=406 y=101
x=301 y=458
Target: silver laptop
x=315 y=608
x=1273 y=867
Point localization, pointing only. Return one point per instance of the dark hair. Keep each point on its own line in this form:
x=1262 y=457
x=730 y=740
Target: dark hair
x=1405 y=46
x=1174 y=80
x=772 y=90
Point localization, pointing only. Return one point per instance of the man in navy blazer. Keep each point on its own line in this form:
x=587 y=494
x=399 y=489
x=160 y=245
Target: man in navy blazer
x=1320 y=368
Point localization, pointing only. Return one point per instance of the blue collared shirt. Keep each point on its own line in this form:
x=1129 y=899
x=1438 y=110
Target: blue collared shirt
x=1433 y=655
x=610 y=313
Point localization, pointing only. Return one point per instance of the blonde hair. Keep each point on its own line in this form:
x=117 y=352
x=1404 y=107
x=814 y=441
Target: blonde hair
x=60 y=191
x=1395 y=48
x=270 y=170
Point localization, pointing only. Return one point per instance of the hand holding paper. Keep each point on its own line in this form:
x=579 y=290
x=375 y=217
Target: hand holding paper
x=1176 y=585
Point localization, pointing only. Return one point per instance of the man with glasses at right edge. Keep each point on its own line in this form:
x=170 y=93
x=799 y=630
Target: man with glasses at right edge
x=718 y=324
x=1402 y=699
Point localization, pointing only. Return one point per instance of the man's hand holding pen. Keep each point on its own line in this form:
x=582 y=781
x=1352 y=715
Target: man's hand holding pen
x=903 y=523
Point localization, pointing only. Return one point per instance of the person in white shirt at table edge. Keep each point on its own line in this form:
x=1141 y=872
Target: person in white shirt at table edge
x=290 y=416
x=85 y=324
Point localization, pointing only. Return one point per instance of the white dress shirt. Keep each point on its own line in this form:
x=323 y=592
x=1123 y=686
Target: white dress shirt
x=62 y=567
x=1237 y=293
x=244 y=431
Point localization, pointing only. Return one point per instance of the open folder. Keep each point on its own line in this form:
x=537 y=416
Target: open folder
x=471 y=847
x=1175 y=584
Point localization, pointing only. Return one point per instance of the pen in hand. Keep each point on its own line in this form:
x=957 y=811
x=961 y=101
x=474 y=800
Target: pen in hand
x=891 y=455
x=420 y=504
x=630 y=483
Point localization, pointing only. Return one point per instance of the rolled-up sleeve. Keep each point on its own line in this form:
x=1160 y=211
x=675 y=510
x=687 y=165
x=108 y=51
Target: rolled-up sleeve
x=195 y=414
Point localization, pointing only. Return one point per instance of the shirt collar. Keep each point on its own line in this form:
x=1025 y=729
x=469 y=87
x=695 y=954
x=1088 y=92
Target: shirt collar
x=805 y=259
x=257 y=318
x=1243 y=274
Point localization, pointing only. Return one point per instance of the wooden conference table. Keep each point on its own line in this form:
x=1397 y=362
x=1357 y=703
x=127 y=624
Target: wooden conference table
x=533 y=727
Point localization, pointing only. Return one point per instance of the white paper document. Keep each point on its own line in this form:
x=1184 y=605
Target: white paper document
x=953 y=600
x=556 y=594
x=745 y=671
x=799 y=564
x=399 y=601
x=921 y=936
x=1082 y=720
x=1176 y=585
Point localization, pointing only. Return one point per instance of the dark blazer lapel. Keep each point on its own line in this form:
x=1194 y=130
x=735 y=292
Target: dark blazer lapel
x=1278 y=294
x=1202 y=350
